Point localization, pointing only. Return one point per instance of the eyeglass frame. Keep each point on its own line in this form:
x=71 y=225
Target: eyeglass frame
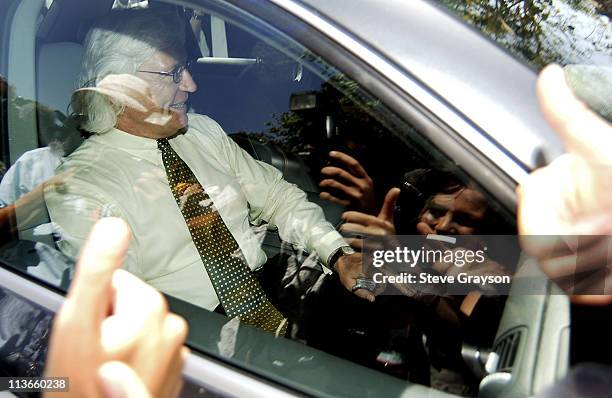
x=176 y=73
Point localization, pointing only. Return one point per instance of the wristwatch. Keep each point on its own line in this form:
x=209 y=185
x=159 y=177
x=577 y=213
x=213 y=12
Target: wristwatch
x=336 y=254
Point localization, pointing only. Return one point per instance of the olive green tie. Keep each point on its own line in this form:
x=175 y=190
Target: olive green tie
x=237 y=288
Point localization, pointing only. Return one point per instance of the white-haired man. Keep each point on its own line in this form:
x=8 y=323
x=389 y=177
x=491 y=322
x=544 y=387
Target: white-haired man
x=188 y=192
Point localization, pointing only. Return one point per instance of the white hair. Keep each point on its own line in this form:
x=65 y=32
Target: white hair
x=120 y=43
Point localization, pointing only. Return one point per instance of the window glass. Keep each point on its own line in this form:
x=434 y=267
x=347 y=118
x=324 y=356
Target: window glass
x=209 y=132
x=544 y=31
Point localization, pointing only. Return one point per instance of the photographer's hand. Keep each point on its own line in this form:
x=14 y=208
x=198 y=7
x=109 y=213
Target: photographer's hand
x=352 y=184
x=572 y=196
x=358 y=223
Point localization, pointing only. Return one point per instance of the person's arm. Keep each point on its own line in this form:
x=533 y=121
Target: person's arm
x=9 y=186
x=299 y=221
x=27 y=212
x=8 y=230
x=274 y=200
x=74 y=206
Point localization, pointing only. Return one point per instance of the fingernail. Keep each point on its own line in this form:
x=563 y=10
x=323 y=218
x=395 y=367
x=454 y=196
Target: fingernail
x=112 y=388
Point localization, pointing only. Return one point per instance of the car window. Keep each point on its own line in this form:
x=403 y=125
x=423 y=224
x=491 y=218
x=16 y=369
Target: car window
x=254 y=116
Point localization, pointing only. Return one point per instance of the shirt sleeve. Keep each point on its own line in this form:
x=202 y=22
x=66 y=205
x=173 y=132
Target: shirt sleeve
x=9 y=185
x=75 y=206
x=30 y=170
x=274 y=200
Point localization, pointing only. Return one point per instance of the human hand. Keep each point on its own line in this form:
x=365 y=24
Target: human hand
x=572 y=195
x=365 y=224
x=352 y=182
x=350 y=269
x=114 y=336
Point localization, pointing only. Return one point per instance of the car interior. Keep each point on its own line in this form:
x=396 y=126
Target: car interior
x=287 y=107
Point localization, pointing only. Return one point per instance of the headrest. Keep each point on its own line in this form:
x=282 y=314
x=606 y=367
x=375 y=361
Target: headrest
x=57 y=69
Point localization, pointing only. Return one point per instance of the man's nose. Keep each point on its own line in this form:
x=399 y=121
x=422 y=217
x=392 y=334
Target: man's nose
x=187 y=83
x=445 y=224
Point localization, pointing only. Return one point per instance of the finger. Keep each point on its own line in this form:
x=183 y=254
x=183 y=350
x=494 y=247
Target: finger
x=137 y=319
x=582 y=131
x=361 y=229
x=388 y=208
x=348 y=191
x=118 y=380
x=337 y=172
x=331 y=198
x=102 y=254
x=177 y=371
x=166 y=373
x=365 y=294
x=590 y=255
x=383 y=227
x=176 y=390
x=354 y=166
x=424 y=229
x=174 y=334
x=139 y=306
x=358 y=217
x=355 y=243
x=348 y=279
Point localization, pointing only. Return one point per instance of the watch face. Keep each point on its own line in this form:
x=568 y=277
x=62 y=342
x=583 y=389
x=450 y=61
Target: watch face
x=347 y=250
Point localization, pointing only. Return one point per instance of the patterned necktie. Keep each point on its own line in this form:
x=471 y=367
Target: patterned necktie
x=237 y=289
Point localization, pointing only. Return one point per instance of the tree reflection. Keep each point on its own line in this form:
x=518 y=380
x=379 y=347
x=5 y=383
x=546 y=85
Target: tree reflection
x=543 y=31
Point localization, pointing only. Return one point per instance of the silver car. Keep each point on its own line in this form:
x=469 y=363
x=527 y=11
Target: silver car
x=400 y=86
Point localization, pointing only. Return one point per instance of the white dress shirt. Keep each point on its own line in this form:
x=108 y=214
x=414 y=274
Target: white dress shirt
x=30 y=170
x=120 y=174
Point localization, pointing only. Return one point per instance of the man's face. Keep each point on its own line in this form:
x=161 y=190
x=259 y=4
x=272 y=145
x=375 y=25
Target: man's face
x=458 y=213
x=167 y=94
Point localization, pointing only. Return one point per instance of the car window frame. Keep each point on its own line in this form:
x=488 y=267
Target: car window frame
x=7 y=11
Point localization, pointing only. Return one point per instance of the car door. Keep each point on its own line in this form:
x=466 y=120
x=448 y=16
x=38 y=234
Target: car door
x=290 y=81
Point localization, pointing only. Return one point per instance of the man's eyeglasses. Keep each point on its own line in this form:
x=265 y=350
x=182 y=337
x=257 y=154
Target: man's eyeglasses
x=176 y=73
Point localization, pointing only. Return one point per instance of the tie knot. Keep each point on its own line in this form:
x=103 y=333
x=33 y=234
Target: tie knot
x=163 y=143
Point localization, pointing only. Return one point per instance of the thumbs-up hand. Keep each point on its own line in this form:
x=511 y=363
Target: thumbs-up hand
x=366 y=224
x=114 y=335
x=572 y=196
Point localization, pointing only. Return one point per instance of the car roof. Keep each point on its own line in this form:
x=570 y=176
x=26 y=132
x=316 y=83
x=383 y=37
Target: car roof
x=484 y=82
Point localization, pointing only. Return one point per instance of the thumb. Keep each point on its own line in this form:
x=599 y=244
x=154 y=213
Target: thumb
x=583 y=132
x=118 y=380
x=386 y=212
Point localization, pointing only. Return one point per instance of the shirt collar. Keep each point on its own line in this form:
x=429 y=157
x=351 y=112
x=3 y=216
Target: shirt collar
x=141 y=147
x=121 y=139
